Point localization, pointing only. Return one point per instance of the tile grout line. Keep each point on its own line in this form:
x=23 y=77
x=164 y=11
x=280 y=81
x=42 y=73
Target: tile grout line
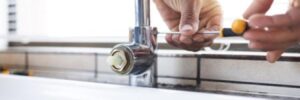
x=251 y=83
x=155 y=72
x=198 y=78
x=26 y=61
x=96 y=66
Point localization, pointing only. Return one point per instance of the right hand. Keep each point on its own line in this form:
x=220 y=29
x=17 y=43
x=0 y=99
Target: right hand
x=284 y=29
x=190 y=17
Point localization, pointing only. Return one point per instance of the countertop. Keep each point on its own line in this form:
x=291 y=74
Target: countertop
x=34 y=88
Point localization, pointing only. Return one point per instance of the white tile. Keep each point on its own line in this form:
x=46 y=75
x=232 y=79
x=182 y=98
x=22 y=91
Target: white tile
x=113 y=78
x=103 y=66
x=12 y=59
x=261 y=71
x=174 y=81
x=177 y=67
x=62 y=61
x=70 y=75
x=250 y=89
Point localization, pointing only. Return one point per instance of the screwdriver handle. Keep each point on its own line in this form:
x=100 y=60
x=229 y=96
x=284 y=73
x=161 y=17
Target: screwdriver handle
x=238 y=28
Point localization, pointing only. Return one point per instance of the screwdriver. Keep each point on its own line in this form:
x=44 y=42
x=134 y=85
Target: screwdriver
x=238 y=28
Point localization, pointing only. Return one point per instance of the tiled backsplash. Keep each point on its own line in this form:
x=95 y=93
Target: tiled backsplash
x=211 y=71
x=13 y=59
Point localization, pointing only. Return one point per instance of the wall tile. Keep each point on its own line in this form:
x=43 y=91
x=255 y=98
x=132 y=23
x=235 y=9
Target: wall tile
x=177 y=67
x=175 y=81
x=62 y=61
x=103 y=66
x=13 y=59
x=252 y=89
x=260 y=71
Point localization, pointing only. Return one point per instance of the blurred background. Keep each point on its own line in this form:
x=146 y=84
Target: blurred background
x=94 y=18
x=71 y=40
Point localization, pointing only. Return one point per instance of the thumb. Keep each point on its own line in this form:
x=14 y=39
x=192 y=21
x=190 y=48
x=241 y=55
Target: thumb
x=258 y=7
x=273 y=56
x=189 y=21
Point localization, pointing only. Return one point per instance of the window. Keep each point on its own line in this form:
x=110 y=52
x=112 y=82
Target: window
x=3 y=17
x=100 y=18
x=234 y=9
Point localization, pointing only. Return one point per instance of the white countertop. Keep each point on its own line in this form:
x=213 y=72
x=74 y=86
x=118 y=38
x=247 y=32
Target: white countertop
x=33 y=88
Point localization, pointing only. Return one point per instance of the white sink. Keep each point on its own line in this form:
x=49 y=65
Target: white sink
x=32 y=88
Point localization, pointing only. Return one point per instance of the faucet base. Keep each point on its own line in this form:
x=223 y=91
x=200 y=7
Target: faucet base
x=146 y=79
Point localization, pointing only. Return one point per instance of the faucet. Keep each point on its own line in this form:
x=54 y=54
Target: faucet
x=137 y=58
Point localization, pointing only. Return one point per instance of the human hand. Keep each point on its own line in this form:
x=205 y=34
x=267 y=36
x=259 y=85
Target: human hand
x=190 y=17
x=273 y=34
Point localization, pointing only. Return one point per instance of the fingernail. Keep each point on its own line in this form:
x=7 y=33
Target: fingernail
x=272 y=58
x=186 y=28
x=269 y=59
x=251 y=45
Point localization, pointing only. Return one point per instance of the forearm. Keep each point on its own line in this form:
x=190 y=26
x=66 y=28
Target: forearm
x=178 y=5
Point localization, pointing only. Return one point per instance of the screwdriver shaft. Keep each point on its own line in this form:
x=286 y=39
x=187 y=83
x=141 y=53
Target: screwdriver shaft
x=204 y=32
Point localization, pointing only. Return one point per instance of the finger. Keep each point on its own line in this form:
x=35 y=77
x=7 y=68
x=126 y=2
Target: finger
x=214 y=24
x=258 y=7
x=267 y=46
x=273 y=56
x=283 y=20
x=175 y=39
x=207 y=43
x=277 y=36
x=196 y=46
x=170 y=16
x=210 y=37
x=170 y=40
x=198 y=37
x=189 y=20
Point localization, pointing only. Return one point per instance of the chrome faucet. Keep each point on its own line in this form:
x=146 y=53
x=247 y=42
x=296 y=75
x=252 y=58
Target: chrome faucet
x=137 y=58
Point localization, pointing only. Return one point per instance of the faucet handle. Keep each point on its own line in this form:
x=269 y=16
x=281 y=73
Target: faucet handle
x=115 y=60
x=119 y=60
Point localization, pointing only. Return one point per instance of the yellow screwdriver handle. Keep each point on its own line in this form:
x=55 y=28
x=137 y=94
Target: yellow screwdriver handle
x=239 y=26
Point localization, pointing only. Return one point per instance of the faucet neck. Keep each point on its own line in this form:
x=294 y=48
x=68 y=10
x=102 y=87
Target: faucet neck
x=142 y=13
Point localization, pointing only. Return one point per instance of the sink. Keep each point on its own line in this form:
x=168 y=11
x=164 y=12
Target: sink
x=34 y=88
